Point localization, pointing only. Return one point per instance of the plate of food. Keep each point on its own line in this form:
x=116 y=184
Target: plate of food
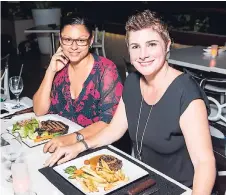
x=100 y=172
x=38 y=130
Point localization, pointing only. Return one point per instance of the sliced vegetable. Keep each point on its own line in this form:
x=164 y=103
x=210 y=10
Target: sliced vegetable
x=32 y=135
x=43 y=138
x=78 y=172
x=72 y=176
x=45 y=133
x=16 y=126
x=86 y=162
x=57 y=134
x=22 y=131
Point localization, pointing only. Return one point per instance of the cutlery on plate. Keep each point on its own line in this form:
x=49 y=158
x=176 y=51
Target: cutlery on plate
x=27 y=110
x=141 y=187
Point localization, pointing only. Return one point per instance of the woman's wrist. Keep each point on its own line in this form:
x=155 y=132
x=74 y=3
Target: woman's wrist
x=81 y=147
x=50 y=70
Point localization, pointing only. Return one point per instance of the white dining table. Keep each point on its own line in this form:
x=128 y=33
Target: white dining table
x=35 y=159
x=194 y=57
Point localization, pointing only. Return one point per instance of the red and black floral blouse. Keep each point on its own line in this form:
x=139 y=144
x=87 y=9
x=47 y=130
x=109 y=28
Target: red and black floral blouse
x=98 y=99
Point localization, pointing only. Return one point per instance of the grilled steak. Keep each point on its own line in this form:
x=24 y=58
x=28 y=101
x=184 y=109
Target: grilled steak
x=54 y=126
x=113 y=163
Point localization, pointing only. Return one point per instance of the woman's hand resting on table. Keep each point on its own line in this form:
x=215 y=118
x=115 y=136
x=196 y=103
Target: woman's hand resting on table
x=58 y=61
x=69 y=152
x=60 y=141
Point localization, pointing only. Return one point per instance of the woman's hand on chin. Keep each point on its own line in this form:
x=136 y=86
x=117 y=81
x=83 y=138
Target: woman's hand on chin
x=67 y=152
x=58 y=61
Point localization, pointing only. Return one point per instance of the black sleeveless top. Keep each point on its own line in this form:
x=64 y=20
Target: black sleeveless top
x=164 y=146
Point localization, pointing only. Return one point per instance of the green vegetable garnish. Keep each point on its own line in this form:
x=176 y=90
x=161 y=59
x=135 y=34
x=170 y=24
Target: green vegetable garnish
x=70 y=170
x=72 y=176
x=26 y=128
x=16 y=126
x=22 y=131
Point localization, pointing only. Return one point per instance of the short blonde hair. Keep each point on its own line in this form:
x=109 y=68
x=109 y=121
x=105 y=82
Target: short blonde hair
x=147 y=19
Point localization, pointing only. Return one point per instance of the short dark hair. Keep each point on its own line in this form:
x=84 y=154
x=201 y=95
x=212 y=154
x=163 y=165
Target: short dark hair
x=147 y=19
x=75 y=20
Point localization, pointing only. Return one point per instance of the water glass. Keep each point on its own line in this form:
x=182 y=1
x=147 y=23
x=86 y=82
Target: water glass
x=12 y=150
x=21 y=179
x=16 y=87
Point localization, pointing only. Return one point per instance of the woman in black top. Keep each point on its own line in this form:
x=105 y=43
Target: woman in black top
x=164 y=110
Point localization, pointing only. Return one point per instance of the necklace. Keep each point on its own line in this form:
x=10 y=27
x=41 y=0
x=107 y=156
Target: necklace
x=138 y=122
x=139 y=149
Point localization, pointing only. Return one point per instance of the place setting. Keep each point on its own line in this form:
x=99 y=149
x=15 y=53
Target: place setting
x=106 y=171
x=36 y=130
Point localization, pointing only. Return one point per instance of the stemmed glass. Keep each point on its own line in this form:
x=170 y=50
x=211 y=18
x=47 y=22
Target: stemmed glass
x=12 y=150
x=16 y=86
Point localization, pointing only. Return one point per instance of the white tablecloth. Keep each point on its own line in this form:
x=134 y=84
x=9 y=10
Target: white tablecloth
x=35 y=159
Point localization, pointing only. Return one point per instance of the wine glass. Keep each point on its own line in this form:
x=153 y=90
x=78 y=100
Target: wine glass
x=12 y=150
x=16 y=86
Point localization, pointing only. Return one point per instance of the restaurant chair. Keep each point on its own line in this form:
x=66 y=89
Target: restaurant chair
x=5 y=94
x=215 y=86
x=218 y=110
x=6 y=54
x=218 y=86
x=218 y=136
x=98 y=43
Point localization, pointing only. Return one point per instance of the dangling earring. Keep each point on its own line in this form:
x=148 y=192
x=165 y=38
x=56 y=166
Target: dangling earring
x=90 y=47
x=167 y=55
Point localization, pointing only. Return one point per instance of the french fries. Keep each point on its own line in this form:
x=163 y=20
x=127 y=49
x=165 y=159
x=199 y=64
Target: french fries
x=94 y=174
x=105 y=165
x=92 y=178
x=90 y=185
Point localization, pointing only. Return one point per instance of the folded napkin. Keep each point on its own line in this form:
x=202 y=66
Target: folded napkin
x=9 y=106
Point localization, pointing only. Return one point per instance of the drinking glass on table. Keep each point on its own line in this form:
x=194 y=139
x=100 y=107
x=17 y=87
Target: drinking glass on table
x=21 y=179
x=214 y=51
x=12 y=150
x=16 y=87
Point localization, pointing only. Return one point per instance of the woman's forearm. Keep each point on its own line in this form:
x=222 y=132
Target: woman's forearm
x=41 y=99
x=105 y=137
x=204 y=178
x=93 y=129
x=90 y=131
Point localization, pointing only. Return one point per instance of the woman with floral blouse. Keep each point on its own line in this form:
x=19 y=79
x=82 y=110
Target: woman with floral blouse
x=78 y=85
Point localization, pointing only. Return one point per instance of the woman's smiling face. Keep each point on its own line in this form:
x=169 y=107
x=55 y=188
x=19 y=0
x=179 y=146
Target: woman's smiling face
x=78 y=50
x=147 y=50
